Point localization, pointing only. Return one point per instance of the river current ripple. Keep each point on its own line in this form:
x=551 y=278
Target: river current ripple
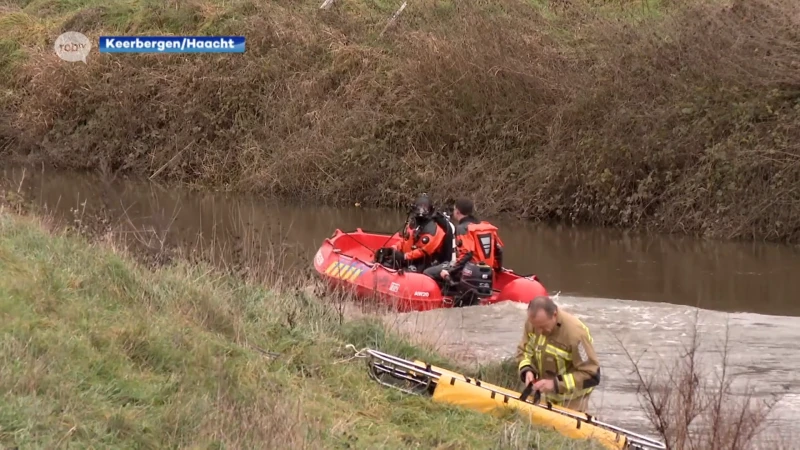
x=761 y=356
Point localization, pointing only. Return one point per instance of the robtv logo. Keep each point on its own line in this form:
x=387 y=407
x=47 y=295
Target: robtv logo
x=73 y=46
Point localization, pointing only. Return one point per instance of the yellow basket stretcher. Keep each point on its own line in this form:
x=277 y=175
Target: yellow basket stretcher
x=444 y=386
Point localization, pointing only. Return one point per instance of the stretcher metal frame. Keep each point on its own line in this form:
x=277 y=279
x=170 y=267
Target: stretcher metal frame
x=424 y=379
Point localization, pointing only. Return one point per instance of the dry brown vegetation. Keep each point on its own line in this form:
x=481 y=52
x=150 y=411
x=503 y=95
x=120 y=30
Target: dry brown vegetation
x=691 y=407
x=680 y=117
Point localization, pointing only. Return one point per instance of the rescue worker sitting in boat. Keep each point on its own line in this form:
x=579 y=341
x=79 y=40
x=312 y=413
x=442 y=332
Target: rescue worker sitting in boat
x=477 y=242
x=428 y=239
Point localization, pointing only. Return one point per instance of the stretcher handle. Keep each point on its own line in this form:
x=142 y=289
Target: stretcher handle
x=527 y=393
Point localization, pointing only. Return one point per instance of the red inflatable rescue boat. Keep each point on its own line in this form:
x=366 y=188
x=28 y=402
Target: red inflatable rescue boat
x=346 y=259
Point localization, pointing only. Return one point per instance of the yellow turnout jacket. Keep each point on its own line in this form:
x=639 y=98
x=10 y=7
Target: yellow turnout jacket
x=566 y=356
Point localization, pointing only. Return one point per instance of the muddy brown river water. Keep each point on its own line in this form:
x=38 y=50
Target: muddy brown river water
x=640 y=292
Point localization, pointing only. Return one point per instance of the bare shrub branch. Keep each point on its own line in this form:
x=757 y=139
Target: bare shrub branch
x=692 y=409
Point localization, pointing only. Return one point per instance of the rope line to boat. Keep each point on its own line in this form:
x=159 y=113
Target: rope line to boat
x=387 y=239
x=370 y=248
x=398 y=230
x=358 y=242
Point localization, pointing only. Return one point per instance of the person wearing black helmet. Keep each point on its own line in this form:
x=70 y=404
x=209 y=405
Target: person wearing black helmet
x=428 y=238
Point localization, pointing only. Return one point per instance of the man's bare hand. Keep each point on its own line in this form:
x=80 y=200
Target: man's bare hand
x=444 y=274
x=528 y=377
x=544 y=386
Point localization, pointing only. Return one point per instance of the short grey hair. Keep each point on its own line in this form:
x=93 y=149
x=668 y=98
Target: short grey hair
x=542 y=302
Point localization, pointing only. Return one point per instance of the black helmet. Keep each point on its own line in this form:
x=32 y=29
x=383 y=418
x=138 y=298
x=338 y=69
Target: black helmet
x=423 y=206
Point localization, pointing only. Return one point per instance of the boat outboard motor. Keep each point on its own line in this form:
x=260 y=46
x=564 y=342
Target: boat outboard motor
x=474 y=284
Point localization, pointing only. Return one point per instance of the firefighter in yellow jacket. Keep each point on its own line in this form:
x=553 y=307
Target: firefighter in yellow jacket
x=556 y=355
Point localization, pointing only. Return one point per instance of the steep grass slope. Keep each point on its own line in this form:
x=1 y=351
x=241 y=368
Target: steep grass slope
x=674 y=115
x=97 y=351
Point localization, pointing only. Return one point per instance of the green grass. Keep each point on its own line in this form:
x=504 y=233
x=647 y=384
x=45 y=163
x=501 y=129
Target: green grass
x=98 y=351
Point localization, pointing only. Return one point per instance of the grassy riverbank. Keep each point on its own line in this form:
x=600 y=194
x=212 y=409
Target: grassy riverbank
x=96 y=350
x=679 y=115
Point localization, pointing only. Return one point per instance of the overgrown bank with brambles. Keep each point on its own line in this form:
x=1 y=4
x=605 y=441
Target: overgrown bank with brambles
x=679 y=116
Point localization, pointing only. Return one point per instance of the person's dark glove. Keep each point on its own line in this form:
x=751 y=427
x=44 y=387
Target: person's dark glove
x=399 y=258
